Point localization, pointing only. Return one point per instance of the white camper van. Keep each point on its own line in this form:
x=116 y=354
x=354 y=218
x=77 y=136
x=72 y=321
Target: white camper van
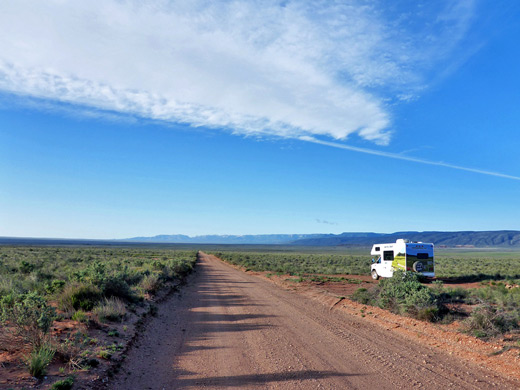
x=404 y=255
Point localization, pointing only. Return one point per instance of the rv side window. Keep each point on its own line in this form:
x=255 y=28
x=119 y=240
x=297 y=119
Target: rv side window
x=422 y=256
x=377 y=249
x=388 y=255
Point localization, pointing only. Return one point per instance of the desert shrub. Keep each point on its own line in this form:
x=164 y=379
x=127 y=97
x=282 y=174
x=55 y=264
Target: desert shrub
x=65 y=384
x=362 y=295
x=430 y=313
x=487 y=321
x=54 y=286
x=79 y=296
x=30 y=315
x=499 y=294
x=403 y=294
x=39 y=359
x=80 y=316
x=151 y=283
x=110 y=284
x=438 y=285
x=95 y=272
x=112 y=309
x=134 y=276
x=510 y=299
x=392 y=292
x=422 y=305
x=183 y=267
x=453 y=294
x=399 y=286
x=116 y=286
x=7 y=285
x=419 y=298
x=26 y=267
x=157 y=265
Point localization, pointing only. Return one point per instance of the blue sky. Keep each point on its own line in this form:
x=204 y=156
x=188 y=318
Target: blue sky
x=126 y=118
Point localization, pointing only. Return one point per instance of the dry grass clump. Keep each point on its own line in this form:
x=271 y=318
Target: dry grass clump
x=151 y=283
x=78 y=296
x=111 y=309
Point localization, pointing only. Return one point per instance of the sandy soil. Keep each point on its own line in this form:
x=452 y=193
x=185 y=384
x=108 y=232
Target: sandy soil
x=229 y=329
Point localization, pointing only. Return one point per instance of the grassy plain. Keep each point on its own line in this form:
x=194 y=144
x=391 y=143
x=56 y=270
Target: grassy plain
x=466 y=264
x=478 y=264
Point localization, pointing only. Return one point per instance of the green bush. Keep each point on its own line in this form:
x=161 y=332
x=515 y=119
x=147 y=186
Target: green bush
x=422 y=304
x=398 y=288
x=39 y=359
x=80 y=316
x=430 y=314
x=116 y=286
x=30 y=315
x=402 y=293
x=65 y=384
x=26 y=267
x=95 y=272
x=362 y=295
x=79 y=296
x=54 y=286
x=181 y=268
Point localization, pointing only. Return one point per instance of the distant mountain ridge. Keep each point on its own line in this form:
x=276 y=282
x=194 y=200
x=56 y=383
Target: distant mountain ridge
x=502 y=238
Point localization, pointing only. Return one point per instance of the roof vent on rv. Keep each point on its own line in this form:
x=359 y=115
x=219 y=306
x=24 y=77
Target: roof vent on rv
x=402 y=241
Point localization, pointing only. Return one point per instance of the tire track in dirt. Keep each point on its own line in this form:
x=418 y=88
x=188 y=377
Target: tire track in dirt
x=228 y=329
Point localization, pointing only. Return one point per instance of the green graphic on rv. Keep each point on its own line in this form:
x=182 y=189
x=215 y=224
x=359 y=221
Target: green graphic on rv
x=403 y=255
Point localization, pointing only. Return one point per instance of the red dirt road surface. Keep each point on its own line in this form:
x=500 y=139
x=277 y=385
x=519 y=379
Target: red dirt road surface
x=228 y=329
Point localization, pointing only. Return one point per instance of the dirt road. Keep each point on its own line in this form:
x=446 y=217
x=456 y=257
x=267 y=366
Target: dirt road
x=232 y=330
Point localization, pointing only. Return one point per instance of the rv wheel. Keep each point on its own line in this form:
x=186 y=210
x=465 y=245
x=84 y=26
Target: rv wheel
x=375 y=276
x=418 y=266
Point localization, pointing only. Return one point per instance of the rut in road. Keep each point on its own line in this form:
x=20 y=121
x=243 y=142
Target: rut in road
x=228 y=329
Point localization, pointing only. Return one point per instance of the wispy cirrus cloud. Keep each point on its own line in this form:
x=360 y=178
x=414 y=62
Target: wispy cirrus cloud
x=284 y=68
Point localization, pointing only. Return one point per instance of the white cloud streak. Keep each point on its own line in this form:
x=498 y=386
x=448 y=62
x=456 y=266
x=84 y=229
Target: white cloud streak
x=405 y=158
x=289 y=69
x=326 y=222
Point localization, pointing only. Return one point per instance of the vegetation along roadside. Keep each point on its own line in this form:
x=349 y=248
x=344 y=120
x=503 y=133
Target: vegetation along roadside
x=69 y=313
